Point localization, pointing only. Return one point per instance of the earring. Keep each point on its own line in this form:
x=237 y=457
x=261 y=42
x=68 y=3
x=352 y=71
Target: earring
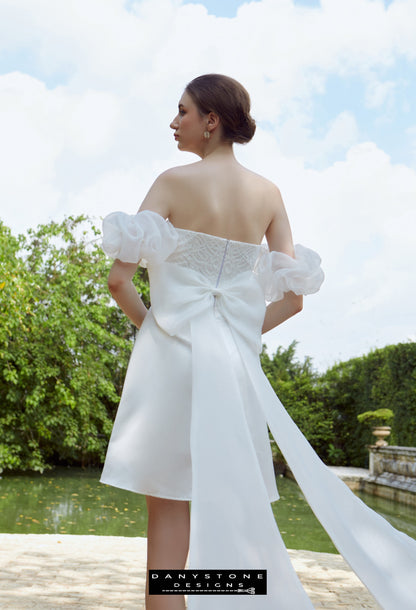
x=207 y=135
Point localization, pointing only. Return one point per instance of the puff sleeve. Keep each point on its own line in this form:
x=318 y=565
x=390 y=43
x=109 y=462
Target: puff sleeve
x=145 y=237
x=280 y=273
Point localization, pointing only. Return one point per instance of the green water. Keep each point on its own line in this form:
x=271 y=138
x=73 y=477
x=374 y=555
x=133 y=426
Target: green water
x=69 y=501
x=73 y=501
x=401 y=516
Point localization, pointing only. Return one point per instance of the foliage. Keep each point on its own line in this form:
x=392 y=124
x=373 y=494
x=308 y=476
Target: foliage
x=379 y=417
x=297 y=386
x=382 y=379
x=326 y=406
x=64 y=346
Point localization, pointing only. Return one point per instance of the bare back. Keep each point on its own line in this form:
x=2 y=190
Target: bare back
x=221 y=197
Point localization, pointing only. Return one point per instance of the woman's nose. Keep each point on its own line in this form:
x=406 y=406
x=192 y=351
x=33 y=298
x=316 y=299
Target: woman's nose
x=174 y=124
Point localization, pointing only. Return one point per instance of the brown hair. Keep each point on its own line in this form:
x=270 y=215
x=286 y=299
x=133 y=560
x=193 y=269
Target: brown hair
x=229 y=100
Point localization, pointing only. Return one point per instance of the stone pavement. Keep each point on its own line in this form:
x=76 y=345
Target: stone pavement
x=50 y=572
x=349 y=472
x=353 y=477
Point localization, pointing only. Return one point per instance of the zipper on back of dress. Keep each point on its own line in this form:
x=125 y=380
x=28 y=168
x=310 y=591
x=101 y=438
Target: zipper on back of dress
x=222 y=263
x=220 y=272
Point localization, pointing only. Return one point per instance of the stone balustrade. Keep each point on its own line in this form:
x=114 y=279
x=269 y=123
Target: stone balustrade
x=392 y=473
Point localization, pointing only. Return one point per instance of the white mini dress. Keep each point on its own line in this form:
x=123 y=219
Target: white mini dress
x=193 y=418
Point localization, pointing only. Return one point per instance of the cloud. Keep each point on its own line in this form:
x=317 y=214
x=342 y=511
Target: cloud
x=411 y=135
x=379 y=93
x=41 y=130
x=87 y=130
x=28 y=150
x=296 y=137
x=359 y=214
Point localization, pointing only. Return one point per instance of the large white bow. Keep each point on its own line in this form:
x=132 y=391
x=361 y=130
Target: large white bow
x=179 y=295
x=232 y=523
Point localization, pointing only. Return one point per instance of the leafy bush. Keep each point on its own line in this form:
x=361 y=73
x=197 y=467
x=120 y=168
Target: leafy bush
x=326 y=406
x=297 y=386
x=379 y=417
x=64 y=347
x=383 y=379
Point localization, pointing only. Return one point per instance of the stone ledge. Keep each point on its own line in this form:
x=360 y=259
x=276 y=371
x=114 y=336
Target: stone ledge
x=389 y=493
x=390 y=479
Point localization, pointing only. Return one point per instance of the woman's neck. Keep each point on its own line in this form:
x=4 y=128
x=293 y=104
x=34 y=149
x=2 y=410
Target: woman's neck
x=218 y=150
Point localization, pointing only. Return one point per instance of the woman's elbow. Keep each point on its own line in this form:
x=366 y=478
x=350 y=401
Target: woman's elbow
x=115 y=282
x=297 y=303
x=112 y=285
x=120 y=275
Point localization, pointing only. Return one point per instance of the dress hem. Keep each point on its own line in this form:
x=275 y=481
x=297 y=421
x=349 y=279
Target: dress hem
x=156 y=495
x=144 y=493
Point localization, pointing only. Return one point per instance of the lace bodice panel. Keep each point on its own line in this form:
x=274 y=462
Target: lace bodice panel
x=217 y=258
x=148 y=239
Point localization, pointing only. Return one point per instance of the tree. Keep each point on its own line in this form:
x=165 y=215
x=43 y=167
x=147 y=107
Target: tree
x=297 y=386
x=64 y=346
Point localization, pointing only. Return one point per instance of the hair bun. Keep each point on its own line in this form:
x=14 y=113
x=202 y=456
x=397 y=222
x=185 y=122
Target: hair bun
x=246 y=130
x=229 y=99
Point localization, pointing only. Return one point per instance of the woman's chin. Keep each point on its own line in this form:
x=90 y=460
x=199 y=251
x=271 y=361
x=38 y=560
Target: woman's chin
x=182 y=147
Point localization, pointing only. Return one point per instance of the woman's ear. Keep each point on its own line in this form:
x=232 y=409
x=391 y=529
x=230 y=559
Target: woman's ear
x=213 y=120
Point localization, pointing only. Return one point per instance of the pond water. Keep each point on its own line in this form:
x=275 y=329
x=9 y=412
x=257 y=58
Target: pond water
x=73 y=501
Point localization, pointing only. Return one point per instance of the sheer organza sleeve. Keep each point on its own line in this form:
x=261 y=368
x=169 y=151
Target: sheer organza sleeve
x=280 y=273
x=145 y=237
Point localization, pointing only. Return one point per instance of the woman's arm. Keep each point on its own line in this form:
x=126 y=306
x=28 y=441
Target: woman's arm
x=160 y=197
x=125 y=293
x=279 y=238
x=121 y=274
x=280 y=311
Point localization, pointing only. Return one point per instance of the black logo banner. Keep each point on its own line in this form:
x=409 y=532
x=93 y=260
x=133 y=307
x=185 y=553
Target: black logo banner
x=208 y=582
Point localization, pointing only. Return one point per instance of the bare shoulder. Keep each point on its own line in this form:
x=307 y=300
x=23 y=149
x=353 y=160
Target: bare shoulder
x=277 y=227
x=268 y=193
x=268 y=187
x=180 y=172
x=164 y=190
x=273 y=197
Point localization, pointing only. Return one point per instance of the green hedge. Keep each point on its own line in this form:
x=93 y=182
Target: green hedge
x=326 y=406
x=384 y=378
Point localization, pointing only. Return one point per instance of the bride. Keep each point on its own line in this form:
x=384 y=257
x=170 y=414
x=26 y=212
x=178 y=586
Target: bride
x=193 y=416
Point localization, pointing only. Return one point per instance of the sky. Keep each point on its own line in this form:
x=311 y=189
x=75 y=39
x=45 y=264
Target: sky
x=88 y=89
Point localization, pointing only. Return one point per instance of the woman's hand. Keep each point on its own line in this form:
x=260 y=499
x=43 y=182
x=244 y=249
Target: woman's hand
x=124 y=292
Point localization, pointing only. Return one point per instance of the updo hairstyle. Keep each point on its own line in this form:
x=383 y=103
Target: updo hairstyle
x=228 y=99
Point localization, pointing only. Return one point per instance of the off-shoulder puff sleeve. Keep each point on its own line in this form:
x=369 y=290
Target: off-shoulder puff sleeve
x=143 y=237
x=280 y=273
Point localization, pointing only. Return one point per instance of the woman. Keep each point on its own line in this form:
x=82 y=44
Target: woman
x=192 y=421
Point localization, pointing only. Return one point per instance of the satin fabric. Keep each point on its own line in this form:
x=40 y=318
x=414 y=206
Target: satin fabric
x=232 y=524
x=208 y=326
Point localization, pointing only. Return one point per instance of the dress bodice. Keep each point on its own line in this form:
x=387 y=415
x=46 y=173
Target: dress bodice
x=217 y=258
x=193 y=273
x=148 y=239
